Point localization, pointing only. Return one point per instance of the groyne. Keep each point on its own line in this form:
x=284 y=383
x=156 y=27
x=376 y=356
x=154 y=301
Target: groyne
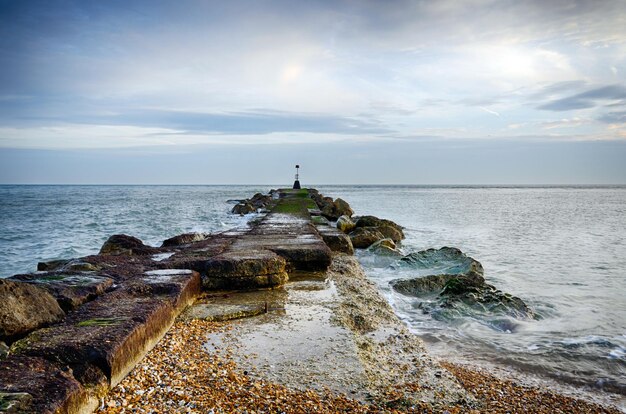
x=307 y=317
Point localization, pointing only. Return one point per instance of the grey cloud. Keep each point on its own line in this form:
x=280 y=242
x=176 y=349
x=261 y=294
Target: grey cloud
x=257 y=122
x=588 y=99
x=558 y=88
x=614 y=117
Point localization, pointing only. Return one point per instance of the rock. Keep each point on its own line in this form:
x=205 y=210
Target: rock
x=105 y=338
x=384 y=247
x=464 y=284
x=243 y=208
x=427 y=285
x=461 y=290
x=391 y=232
x=70 y=290
x=245 y=270
x=51 y=265
x=342 y=208
x=37 y=385
x=4 y=350
x=260 y=201
x=363 y=237
x=448 y=260
x=23 y=308
x=328 y=211
x=123 y=245
x=67 y=266
x=15 y=402
x=183 y=239
x=336 y=240
x=345 y=224
x=319 y=220
x=257 y=202
x=466 y=291
x=332 y=210
x=80 y=266
x=387 y=227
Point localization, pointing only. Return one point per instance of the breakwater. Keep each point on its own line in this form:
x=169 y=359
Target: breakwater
x=116 y=305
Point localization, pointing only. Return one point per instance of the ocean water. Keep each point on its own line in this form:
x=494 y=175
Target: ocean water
x=561 y=249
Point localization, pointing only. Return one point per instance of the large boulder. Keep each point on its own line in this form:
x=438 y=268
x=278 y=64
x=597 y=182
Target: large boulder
x=388 y=227
x=336 y=240
x=384 y=247
x=447 y=260
x=342 y=208
x=23 y=308
x=457 y=288
x=364 y=237
x=260 y=201
x=391 y=232
x=124 y=245
x=243 y=208
x=345 y=224
x=433 y=284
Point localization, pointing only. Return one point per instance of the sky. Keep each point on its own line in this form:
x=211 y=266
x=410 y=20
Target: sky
x=356 y=92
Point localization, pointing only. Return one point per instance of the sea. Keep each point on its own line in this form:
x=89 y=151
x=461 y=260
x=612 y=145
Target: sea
x=560 y=249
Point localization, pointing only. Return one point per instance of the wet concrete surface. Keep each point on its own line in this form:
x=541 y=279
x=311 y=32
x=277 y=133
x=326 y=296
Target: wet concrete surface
x=298 y=342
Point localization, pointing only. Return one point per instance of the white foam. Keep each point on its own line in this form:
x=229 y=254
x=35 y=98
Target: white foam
x=169 y=272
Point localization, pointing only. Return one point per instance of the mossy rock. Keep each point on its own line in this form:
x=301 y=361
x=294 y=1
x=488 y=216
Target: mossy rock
x=101 y=322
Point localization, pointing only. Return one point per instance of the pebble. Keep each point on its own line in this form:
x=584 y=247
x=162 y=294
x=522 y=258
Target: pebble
x=180 y=375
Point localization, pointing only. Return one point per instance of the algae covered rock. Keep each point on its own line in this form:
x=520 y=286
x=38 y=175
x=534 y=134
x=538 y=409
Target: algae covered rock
x=336 y=240
x=345 y=224
x=473 y=292
x=388 y=228
x=421 y=286
x=245 y=270
x=342 y=208
x=384 y=247
x=457 y=287
x=257 y=202
x=24 y=307
x=52 y=265
x=448 y=260
x=124 y=245
x=391 y=232
x=363 y=237
x=243 y=208
x=183 y=239
x=70 y=290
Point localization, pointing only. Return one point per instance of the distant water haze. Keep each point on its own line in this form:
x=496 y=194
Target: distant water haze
x=561 y=249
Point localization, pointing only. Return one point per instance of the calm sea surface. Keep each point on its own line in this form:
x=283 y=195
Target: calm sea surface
x=560 y=249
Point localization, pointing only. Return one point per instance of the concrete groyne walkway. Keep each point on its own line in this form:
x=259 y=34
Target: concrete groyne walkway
x=302 y=315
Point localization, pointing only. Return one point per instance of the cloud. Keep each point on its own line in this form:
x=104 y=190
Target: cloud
x=566 y=123
x=614 y=117
x=259 y=122
x=489 y=111
x=588 y=99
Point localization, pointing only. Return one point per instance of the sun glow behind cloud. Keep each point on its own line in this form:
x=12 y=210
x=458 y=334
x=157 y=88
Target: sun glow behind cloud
x=176 y=74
